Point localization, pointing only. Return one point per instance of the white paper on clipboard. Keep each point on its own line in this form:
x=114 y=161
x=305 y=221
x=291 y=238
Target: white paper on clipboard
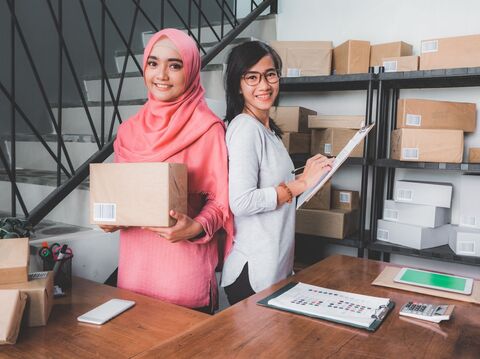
x=342 y=156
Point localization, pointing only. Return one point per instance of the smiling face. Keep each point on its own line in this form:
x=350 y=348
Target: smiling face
x=164 y=73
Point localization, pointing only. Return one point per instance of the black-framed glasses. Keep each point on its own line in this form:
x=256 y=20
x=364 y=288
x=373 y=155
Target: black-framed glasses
x=253 y=78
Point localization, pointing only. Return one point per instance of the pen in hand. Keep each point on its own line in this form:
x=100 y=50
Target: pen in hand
x=301 y=168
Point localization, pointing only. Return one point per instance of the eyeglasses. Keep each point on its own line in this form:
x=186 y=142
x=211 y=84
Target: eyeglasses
x=253 y=78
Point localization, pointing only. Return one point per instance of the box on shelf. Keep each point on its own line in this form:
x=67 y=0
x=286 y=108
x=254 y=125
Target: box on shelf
x=351 y=57
x=465 y=241
x=330 y=141
x=345 y=199
x=415 y=214
x=12 y=305
x=304 y=58
x=470 y=201
x=450 y=52
x=400 y=63
x=390 y=49
x=474 y=155
x=429 y=114
x=321 y=199
x=437 y=194
x=14 y=259
x=137 y=194
x=336 y=121
x=412 y=236
x=334 y=223
x=296 y=142
x=427 y=145
x=291 y=118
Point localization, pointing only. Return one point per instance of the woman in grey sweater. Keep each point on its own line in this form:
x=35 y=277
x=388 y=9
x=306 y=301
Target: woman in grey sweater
x=262 y=188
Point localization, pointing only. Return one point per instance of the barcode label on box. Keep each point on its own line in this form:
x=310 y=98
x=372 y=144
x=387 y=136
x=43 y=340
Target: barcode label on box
x=106 y=212
x=390 y=214
x=429 y=46
x=293 y=72
x=345 y=197
x=413 y=120
x=327 y=148
x=410 y=153
x=390 y=66
x=37 y=275
x=466 y=247
x=469 y=221
x=404 y=195
x=382 y=234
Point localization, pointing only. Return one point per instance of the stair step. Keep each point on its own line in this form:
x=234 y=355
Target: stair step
x=39 y=177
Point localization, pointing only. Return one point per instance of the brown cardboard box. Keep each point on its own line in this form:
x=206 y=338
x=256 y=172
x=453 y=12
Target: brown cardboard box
x=14 y=258
x=137 y=194
x=345 y=199
x=39 y=291
x=321 y=199
x=296 y=142
x=390 y=49
x=417 y=113
x=12 y=304
x=400 y=63
x=427 y=145
x=351 y=57
x=451 y=52
x=304 y=58
x=291 y=118
x=335 y=223
x=474 y=155
x=336 y=121
x=331 y=141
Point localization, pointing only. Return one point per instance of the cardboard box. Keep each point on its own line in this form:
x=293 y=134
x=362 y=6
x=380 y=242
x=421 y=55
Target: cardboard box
x=474 y=155
x=330 y=141
x=470 y=201
x=335 y=223
x=465 y=241
x=451 y=52
x=336 y=121
x=415 y=214
x=39 y=292
x=14 y=258
x=412 y=236
x=400 y=63
x=321 y=199
x=390 y=49
x=427 y=145
x=345 y=199
x=291 y=118
x=12 y=304
x=137 y=194
x=351 y=57
x=437 y=194
x=447 y=115
x=296 y=142
x=304 y=58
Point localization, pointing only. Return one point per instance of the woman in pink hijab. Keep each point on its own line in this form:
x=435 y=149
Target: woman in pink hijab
x=177 y=264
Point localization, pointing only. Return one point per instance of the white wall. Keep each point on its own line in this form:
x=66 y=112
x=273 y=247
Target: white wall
x=381 y=21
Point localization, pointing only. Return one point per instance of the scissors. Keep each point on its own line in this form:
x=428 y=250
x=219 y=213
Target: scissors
x=56 y=251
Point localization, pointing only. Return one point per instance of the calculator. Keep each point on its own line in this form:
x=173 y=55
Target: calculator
x=431 y=312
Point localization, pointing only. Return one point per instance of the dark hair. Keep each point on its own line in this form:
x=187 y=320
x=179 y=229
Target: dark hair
x=240 y=59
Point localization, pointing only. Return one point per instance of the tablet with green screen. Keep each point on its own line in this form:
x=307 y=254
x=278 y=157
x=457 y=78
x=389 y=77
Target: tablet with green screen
x=449 y=283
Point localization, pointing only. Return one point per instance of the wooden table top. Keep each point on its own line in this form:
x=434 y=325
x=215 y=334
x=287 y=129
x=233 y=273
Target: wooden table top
x=247 y=330
x=145 y=325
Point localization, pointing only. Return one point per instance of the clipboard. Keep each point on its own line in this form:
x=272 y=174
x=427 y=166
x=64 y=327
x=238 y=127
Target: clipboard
x=342 y=157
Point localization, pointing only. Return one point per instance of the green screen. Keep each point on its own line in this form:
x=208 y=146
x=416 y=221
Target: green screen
x=434 y=279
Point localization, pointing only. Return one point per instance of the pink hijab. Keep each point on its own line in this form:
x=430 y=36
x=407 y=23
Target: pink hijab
x=162 y=129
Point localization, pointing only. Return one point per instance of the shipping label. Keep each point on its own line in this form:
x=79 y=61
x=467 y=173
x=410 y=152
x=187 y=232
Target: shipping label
x=410 y=153
x=105 y=212
x=390 y=66
x=344 y=197
x=327 y=148
x=429 y=46
x=382 y=234
x=294 y=72
x=404 y=194
x=390 y=214
x=413 y=120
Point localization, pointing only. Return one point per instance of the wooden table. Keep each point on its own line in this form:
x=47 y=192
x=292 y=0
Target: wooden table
x=147 y=324
x=247 y=330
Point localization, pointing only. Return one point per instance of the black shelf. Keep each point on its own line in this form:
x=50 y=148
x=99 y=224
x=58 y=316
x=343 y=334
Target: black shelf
x=464 y=167
x=351 y=241
x=326 y=83
x=442 y=253
x=301 y=158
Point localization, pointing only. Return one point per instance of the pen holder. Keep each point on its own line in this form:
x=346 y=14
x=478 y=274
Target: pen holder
x=63 y=277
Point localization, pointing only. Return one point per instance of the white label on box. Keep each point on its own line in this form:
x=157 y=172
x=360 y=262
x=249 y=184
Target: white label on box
x=410 y=153
x=105 y=212
x=413 y=120
x=404 y=194
x=293 y=72
x=344 y=197
x=466 y=246
x=37 y=275
x=390 y=66
x=468 y=221
x=382 y=234
x=327 y=148
x=390 y=214
x=429 y=46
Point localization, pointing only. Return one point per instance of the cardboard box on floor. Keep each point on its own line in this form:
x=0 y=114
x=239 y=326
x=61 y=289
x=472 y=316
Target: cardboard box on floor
x=470 y=200
x=14 y=259
x=390 y=49
x=438 y=194
x=465 y=241
x=451 y=52
x=296 y=142
x=336 y=121
x=335 y=223
x=321 y=199
x=415 y=214
x=351 y=57
x=12 y=305
x=474 y=155
x=427 y=145
x=429 y=114
x=400 y=63
x=137 y=194
x=345 y=199
x=291 y=118
x=304 y=58
x=330 y=141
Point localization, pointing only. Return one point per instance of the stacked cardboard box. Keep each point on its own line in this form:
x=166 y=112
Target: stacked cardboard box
x=351 y=57
x=400 y=63
x=392 y=49
x=474 y=155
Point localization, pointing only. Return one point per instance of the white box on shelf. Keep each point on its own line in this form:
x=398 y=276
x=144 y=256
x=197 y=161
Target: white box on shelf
x=437 y=194
x=416 y=214
x=465 y=241
x=470 y=201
